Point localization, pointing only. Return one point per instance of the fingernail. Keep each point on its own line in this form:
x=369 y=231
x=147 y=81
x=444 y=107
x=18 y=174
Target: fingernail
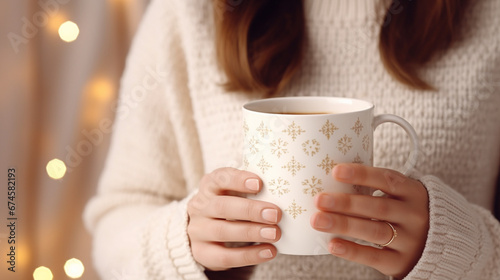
x=325 y=201
x=338 y=249
x=268 y=233
x=252 y=184
x=270 y=215
x=266 y=254
x=322 y=221
x=343 y=172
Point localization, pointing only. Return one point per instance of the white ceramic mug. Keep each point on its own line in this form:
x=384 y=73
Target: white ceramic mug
x=292 y=144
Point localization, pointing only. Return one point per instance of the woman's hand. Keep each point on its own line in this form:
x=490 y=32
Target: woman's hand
x=364 y=218
x=217 y=215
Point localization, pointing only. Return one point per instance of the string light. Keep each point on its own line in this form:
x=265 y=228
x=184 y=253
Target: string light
x=74 y=268
x=42 y=273
x=56 y=169
x=69 y=31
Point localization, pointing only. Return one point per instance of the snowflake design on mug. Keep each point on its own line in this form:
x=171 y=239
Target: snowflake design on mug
x=310 y=147
x=278 y=147
x=327 y=164
x=246 y=163
x=328 y=129
x=245 y=128
x=358 y=126
x=357 y=159
x=312 y=186
x=263 y=129
x=293 y=130
x=253 y=145
x=293 y=166
x=344 y=144
x=263 y=165
x=295 y=210
x=279 y=186
x=366 y=142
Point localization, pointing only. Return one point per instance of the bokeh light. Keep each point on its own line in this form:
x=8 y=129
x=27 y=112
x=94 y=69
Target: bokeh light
x=56 y=169
x=69 y=31
x=101 y=89
x=74 y=268
x=98 y=94
x=42 y=273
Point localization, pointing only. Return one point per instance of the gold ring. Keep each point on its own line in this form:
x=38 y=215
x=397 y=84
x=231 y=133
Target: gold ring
x=394 y=235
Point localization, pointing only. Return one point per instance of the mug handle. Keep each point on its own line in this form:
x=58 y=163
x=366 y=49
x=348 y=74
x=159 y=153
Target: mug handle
x=412 y=159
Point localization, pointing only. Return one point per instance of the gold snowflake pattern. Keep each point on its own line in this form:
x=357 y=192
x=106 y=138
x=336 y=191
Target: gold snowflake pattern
x=263 y=165
x=295 y=210
x=278 y=147
x=245 y=128
x=328 y=129
x=279 y=186
x=366 y=142
x=310 y=147
x=253 y=145
x=358 y=126
x=293 y=130
x=357 y=159
x=327 y=164
x=246 y=163
x=312 y=186
x=344 y=144
x=293 y=166
x=263 y=129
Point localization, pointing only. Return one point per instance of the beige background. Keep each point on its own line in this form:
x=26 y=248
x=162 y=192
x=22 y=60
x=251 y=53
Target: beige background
x=54 y=95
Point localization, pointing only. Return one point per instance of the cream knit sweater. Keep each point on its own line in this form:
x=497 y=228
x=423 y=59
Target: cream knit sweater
x=174 y=123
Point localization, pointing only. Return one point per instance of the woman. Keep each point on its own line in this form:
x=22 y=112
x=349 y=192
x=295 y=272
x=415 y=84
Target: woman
x=169 y=204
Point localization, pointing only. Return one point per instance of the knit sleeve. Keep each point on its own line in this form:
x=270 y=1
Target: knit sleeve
x=138 y=218
x=463 y=240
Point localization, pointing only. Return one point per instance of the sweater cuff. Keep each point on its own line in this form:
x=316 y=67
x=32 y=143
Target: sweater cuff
x=166 y=250
x=454 y=242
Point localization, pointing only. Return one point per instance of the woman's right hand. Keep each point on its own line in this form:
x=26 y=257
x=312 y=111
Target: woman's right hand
x=218 y=213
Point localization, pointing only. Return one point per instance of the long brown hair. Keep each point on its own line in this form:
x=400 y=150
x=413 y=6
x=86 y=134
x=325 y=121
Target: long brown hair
x=260 y=43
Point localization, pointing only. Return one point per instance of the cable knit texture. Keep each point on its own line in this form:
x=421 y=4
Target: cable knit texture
x=174 y=123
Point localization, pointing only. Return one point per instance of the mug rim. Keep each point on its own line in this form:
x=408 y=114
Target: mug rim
x=251 y=106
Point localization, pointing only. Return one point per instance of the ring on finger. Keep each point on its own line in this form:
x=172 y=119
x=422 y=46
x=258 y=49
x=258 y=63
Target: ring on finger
x=394 y=235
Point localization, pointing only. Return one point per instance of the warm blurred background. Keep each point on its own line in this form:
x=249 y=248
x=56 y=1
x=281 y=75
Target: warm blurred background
x=60 y=65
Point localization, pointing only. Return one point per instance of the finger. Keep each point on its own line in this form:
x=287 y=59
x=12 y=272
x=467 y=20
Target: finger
x=389 y=181
x=233 y=231
x=217 y=257
x=224 y=180
x=380 y=208
x=383 y=260
x=244 y=209
x=376 y=232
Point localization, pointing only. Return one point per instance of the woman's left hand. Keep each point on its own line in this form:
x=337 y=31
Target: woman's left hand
x=363 y=217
